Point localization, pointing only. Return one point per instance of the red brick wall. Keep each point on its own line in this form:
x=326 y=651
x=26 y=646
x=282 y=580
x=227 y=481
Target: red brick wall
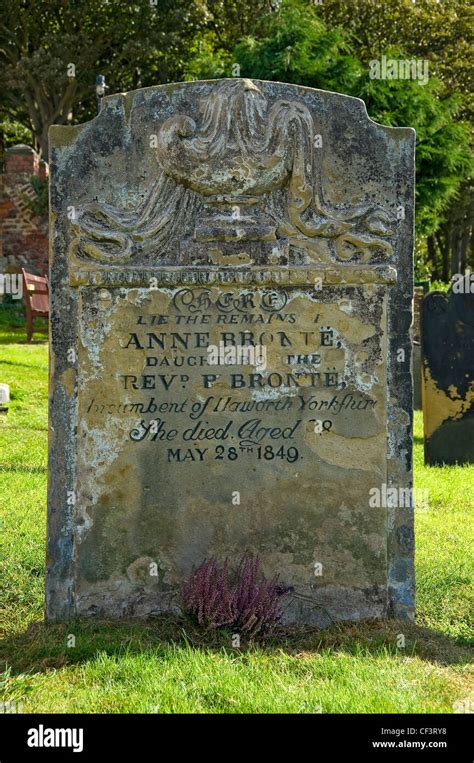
x=23 y=236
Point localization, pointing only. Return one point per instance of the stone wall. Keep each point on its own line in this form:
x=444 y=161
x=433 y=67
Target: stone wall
x=24 y=235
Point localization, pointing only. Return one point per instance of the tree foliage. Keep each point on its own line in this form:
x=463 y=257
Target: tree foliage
x=440 y=32
x=134 y=44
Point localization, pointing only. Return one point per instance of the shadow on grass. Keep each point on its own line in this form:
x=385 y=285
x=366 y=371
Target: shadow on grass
x=22 y=468
x=43 y=646
x=41 y=367
x=6 y=339
x=35 y=341
x=13 y=331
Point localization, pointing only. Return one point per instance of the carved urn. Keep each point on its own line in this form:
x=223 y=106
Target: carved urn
x=240 y=151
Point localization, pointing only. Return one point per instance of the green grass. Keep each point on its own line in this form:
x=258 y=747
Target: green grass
x=167 y=665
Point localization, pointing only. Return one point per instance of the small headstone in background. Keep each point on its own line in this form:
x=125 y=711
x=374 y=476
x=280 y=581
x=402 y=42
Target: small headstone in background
x=4 y=398
x=448 y=377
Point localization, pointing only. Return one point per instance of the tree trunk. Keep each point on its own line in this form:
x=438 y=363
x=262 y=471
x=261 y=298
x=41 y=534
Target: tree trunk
x=442 y=237
x=431 y=244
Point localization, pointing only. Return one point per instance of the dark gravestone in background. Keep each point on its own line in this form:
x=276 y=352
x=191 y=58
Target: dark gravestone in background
x=448 y=377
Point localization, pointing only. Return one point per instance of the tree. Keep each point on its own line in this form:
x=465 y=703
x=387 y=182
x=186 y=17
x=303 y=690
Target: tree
x=439 y=32
x=52 y=50
x=296 y=47
x=211 y=54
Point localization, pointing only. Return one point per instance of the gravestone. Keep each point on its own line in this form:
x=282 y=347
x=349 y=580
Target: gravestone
x=4 y=398
x=231 y=276
x=447 y=329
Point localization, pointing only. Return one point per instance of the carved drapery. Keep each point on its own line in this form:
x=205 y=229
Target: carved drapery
x=243 y=171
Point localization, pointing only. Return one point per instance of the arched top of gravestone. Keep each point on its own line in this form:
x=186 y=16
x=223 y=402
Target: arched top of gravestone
x=228 y=161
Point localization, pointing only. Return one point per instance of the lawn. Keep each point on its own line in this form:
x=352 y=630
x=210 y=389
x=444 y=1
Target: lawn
x=167 y=665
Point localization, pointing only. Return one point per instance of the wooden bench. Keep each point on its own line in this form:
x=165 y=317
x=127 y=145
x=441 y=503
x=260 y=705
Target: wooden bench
x=36 y=293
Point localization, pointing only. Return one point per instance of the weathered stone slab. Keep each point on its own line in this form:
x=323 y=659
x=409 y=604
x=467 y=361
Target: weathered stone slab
x=448 y=377
x=193 y=225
